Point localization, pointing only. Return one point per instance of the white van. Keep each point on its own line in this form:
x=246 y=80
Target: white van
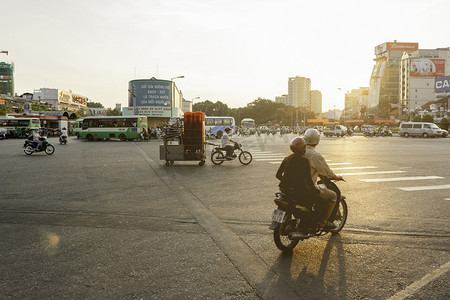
x=419 y=129
x=337 y=130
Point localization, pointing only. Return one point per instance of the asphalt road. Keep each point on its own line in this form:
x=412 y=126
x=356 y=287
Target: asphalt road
x=108 y=220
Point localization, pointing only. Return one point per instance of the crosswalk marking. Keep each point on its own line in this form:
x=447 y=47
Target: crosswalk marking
x=401 y=178
x=447 y=199
x=425 y=188
x=339 y=164
x=356 y=168
x=372 y=173
x=266 y=159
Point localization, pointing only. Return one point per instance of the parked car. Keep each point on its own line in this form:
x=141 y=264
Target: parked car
x=422 y=129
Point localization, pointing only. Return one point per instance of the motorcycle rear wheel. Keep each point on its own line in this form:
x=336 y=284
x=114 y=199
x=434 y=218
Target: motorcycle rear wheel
x=245 y=157
x=217 y=157
x=280 y=234
x=28 y=150
x=341 y=216
x=49 y=149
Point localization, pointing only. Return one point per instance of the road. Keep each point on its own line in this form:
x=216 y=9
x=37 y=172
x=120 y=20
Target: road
x=109 y=220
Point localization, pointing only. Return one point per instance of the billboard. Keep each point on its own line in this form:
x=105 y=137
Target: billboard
x=150 y=111
x=150 y=93
x=427 y=67
x=394 y=46
x=442 y=84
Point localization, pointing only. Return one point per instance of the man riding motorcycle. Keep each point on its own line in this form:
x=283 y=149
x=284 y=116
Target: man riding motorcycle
x=320 y=167
x=294 y=174
x=224 y=143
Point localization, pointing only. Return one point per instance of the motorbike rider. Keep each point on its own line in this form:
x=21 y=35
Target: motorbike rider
x=224 y=144
x=294 y=174
x=320 y=167
x=36 y=139
x=63 y=134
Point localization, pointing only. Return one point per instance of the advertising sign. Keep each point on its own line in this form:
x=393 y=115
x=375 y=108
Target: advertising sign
x=64 y=96
x=394 y=46
x=27 y=106
x=427 y=67
x=149 y=111
x=150 y=93
x=442 y=84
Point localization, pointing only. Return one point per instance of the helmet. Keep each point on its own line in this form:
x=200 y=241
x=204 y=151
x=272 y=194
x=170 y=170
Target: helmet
x=64 y=128
x=298 y=145
x=312 y=137
x=227 y=129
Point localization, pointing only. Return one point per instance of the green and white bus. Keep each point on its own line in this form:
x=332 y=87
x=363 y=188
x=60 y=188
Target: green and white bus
x=112 y=127
x=19 y=127
x=248 y=125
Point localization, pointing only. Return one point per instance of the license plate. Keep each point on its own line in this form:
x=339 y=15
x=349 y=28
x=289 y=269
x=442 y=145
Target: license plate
x=278 y=215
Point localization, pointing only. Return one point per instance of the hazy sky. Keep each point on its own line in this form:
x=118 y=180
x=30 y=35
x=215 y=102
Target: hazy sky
x=229 y=51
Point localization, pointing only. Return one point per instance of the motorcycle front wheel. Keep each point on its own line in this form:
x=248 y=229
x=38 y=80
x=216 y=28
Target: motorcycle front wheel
x=28 y=150
x=217 y=157
x=245 y=157
x=280 y=234
x=341 y=216
x=49 y=150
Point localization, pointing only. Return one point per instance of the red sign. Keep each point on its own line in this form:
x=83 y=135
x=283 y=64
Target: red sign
x=354 y=121
x=316 y=120
x=427 y=67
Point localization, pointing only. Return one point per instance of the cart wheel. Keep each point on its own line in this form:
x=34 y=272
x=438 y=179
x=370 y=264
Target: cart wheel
x=201 y=163
x=171 y=162
x=167 y=163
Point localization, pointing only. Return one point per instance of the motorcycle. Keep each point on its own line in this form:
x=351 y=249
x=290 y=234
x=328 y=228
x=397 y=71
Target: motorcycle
x=293 y=222
x=350 y=132
x=63 y=140
x=29 y=147
x=218 y=155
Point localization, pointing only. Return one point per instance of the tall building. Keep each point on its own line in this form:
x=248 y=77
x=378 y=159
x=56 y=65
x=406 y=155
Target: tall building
x=7 y=78
x=299 y=89
x=418 y=73
x=282 y=99
x=356 y=103
x=316 y=101
x=384 y=89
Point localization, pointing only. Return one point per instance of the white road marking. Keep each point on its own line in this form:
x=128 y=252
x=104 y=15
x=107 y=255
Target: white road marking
x=425 y=188
x=272 y=159
x=355 y=168
x=412 y=288
x=447 y=199
x=372 y=173
x=339 y=164
x=401 y=178
x=275 y=162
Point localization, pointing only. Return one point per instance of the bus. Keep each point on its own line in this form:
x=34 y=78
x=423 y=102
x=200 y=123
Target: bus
x=111 y=127
x=77 y=127
x=217 y=125
x=248 y=125
x=19 y=127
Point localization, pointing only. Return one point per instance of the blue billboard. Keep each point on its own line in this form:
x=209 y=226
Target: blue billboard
x=442 y=84
x=150 y=92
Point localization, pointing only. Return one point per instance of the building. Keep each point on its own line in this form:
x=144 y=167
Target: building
x=299 y=92
x=316 y=101
x=61 y=99
x=282 y=99
x=157 y=99
x=421 y=72
x=384 y=88
x=7 y=78
x=356 y=103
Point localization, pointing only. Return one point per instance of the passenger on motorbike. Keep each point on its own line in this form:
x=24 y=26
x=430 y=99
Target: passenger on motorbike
x=63 y=132
x=320 y=167
x=294 y=174
x=224 y=144
x=36 y=139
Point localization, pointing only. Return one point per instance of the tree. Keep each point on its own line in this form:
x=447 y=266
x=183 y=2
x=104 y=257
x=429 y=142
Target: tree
x=444 y=123
x=427 y=118
x=417 y=119
x=95 y=105
x=113 y=112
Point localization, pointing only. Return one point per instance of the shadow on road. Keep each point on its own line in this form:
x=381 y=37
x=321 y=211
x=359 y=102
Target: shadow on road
x=311 y=276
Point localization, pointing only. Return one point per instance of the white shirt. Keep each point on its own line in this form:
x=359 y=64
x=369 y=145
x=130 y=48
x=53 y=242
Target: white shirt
x=225 y=139
x=64 y=133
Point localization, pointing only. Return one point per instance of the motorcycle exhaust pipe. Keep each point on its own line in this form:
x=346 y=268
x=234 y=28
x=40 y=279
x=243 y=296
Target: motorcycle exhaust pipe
x=299 y=236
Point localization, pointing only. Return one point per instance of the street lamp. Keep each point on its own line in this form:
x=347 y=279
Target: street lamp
x=173 y=92
x=192 y=101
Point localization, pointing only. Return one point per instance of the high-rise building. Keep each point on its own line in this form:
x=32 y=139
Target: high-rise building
x=7 y=78
x=316 y=101
x=418 y=72
x=356 y=103
x=384 y=89
x=282 y=99
x=299 y=89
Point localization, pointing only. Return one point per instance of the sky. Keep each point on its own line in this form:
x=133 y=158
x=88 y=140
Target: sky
x=229 y=51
